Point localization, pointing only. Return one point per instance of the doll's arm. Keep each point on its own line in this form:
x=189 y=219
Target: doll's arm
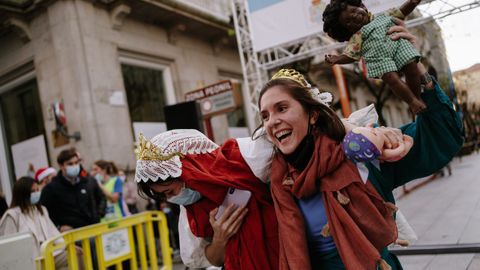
x=338 y=59
x=409 y=6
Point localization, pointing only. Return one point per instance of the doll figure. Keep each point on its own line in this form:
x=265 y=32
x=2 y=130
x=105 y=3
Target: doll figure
x=368 y=39
x=363 y=144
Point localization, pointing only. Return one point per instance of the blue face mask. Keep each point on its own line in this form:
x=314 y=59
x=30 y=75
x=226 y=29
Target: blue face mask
x=99 y=178
x=35 y=197
x=185 y=197
x=73 y=170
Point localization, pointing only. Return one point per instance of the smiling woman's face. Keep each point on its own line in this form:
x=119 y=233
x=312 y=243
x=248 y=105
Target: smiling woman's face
x=284 y=119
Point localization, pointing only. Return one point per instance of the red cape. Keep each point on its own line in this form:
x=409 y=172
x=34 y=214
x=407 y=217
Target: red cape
x=255 y=246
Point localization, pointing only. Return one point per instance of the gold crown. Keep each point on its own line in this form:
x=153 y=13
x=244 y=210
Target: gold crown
x=291 y=74
x=146 y=150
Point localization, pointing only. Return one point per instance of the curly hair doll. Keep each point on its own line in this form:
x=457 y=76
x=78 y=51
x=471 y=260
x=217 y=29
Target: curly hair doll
x=368 y=39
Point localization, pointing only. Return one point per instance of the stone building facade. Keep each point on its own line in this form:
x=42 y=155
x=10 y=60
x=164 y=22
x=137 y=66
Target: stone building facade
x=114 y=65
x=467 y=82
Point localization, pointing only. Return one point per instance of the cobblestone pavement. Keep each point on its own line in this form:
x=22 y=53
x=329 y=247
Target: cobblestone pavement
x=445 y=210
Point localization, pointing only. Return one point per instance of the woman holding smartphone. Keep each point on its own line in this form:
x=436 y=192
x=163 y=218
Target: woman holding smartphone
x=186 y=168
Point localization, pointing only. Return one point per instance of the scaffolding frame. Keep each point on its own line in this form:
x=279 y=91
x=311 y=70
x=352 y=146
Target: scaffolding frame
x=255 y=65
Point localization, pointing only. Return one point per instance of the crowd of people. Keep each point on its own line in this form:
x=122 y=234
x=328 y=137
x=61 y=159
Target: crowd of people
x=57 y=201
x=312 y=204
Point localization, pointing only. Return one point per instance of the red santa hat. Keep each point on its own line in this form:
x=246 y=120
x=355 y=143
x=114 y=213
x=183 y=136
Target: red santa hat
x=44 y=172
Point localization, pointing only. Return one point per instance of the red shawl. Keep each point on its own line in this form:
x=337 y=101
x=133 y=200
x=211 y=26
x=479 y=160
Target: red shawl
x=255 y=246
x=360 y=227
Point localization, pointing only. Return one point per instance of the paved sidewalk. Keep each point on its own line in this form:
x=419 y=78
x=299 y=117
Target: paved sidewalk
x=446 y=211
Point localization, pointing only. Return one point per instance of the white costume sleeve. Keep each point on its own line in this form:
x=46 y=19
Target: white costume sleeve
x=258 y=154
x=192 y=248
x=405 y=231
x=364 y=116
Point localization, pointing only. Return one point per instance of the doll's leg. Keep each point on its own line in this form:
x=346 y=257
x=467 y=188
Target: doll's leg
x=401 y=90
x=413 y=77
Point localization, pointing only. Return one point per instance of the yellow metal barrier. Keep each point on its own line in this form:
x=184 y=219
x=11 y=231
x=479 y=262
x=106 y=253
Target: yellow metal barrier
x=114 y=243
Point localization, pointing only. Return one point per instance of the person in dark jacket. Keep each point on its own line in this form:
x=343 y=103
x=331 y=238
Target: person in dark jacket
x=71 y=197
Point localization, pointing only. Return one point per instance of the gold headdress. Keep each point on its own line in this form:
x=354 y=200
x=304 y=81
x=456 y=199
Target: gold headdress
x=148 y=151
x=291 y=74
x=159 y=158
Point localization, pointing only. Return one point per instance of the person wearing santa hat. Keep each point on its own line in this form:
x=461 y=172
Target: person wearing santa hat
x=43 y=176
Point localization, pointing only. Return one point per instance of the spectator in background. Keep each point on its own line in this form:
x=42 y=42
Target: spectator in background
x=69 y=197
x=26 y=215
x=43 y=176
x=98 y=202
x=106 y=173
x=130 y=193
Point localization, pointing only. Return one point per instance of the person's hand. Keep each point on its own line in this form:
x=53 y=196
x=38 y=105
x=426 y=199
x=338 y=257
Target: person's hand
x=228 y=224
x=393 y=136
x=399 y=31
x=331 y=59
x=65 y=228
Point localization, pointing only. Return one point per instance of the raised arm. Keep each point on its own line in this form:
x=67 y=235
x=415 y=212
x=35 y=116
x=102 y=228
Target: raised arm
x=409 y=6
x=437 y=135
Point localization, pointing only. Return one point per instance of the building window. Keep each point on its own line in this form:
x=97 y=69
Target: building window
x=22 y=113
x=148 y=88
x=145 y=89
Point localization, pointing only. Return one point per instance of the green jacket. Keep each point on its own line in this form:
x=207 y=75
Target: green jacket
x=437 y=135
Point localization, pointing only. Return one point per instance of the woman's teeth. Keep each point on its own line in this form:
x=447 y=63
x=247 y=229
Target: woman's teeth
x=283 y=134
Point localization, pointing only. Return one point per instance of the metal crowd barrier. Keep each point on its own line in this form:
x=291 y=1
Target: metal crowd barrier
x=116 y=241
x=436 y=249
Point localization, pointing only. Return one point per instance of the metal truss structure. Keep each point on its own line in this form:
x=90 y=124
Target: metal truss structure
x=256 y=64
x=253 y=73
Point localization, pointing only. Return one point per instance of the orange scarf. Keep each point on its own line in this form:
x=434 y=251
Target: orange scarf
x=359 y=220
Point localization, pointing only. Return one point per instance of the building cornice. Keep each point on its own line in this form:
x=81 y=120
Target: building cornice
x=25 y=9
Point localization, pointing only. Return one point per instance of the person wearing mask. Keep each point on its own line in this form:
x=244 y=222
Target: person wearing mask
x=106 y=173
x=68 y=197
x=26 y=215
x=186 y=168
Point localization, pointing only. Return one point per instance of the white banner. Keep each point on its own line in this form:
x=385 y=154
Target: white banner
x=276 y=22
x=29 y=154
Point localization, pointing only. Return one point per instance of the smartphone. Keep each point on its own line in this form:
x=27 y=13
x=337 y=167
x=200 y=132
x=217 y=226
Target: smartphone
x=235 y=196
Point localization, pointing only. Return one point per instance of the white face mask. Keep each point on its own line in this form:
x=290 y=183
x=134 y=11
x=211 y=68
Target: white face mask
x=35 y=197
x=73 y=170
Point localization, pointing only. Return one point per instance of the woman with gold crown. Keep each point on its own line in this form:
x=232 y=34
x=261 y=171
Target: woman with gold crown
x=186 y=168
x=331 y=212
x=328 y=220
